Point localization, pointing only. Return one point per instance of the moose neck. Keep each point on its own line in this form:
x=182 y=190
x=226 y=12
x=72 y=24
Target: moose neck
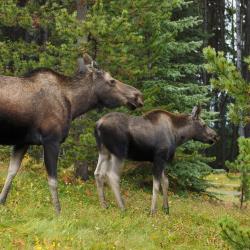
x=184 y=133
x=82 y=97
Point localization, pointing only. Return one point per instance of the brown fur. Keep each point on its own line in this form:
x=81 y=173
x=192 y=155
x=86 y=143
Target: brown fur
x=38 y=109
x=153 y=137
x=178 y=120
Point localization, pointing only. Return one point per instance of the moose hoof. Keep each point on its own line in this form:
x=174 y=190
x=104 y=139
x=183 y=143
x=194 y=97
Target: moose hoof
x=166 y=210
x=2 y=201
x=104 y=205
x=58 y=211
x=153 y=212
x=123 y=209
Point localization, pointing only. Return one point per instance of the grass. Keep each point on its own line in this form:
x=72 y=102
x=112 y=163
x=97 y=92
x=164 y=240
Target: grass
x=28 y=221
x=225 y=186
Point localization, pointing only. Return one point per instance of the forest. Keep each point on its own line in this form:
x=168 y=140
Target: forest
x=181 y=55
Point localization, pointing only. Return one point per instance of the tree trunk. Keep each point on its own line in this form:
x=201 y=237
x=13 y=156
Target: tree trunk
x=205 y=30
x=238 y=35
x=82 y=8
x=239 y=48
x=233 y=147
x=214 y=22
x=246 y=51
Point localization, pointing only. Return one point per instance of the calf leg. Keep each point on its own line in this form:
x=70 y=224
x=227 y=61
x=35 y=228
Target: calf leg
x=158 y=169
x=51 y=152
x=156 y=188
x=17 y=155
x=100 y=174
x=165 y=184
x=114 y=179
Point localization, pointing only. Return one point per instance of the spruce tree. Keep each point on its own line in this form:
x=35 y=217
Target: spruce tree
x=38 y=34
x=147 y=44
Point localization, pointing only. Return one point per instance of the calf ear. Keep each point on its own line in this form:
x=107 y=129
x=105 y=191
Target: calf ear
x=196 y=112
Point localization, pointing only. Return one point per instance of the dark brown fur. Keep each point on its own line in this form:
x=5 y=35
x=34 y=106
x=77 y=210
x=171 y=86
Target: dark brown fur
x=153 y=137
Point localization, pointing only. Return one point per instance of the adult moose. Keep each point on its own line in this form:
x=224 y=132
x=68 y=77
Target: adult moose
x=153 y=137
x=37 y=109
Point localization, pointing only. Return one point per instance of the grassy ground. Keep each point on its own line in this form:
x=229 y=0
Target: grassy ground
x=28 y=221
x=225 y=186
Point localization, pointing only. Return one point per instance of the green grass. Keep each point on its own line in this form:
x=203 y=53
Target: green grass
x=28 y=221
x=226 y=186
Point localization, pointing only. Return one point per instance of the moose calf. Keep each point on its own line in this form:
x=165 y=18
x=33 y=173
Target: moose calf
x=153 y=137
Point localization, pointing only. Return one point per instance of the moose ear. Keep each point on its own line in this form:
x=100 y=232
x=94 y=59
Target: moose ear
x=87 y=59
x=196 y=112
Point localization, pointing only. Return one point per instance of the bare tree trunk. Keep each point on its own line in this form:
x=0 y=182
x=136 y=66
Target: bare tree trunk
x=246 y=51
x=238 y=35
x=233 y=31
x=246 y=73
x=205 y=30
x=234 y=134
x=82 y=8
x=216 y=25
x=233 y=147
x=239 y=48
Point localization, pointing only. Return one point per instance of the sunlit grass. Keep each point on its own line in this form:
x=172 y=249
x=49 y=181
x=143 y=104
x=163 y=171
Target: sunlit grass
x=28 y=220
x=226 y=186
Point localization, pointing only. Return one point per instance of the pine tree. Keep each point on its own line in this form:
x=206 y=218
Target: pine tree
x=150 y=44
x=228 y=78
x=242 y=165
x=38 y=34
x=236 y=236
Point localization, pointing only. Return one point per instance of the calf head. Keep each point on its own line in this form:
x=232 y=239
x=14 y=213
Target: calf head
x=201 y=132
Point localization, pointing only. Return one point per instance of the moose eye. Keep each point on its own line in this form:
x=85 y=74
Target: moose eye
x=112 y=82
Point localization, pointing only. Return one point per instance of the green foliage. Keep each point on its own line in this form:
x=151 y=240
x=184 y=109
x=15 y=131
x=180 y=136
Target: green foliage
x=227 y=78
x=80 y=145
x=138 y=40
x=242 y=165
x=46 y=36
x=238 y=238
x=188 y=170
x=4 y=154
x=142 y=43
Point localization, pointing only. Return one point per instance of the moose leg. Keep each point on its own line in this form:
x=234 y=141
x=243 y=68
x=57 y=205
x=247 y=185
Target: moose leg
x=17 y=155
x=51 y=152
x=114 y=179
x=164 y=185
x=100 y=174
